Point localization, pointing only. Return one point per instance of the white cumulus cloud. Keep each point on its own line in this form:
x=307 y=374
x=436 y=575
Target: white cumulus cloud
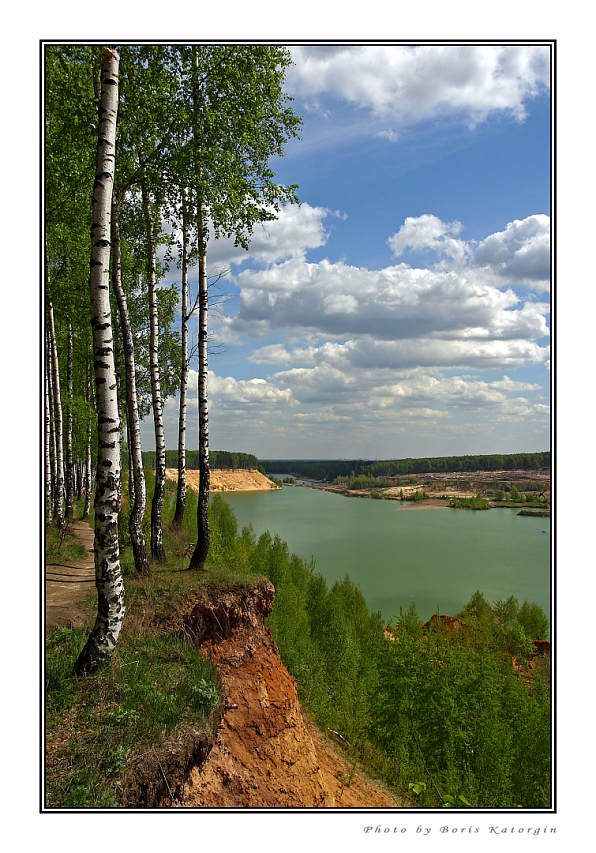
x=521 y=253
x=413 y=83
x=429 y=232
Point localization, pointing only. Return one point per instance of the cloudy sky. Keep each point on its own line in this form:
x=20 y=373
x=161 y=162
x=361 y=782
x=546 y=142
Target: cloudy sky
x=403 y=308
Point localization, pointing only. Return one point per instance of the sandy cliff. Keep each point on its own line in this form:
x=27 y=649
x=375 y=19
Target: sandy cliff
x=228 y=480
x=265 y=755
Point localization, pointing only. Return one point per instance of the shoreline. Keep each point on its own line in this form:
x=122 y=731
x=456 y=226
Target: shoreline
x=438 y=502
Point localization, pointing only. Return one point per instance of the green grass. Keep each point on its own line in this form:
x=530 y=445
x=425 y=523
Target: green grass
x=95 y=726
x=62 y=547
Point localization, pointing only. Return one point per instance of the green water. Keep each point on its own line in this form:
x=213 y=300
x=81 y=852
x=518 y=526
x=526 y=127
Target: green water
x=397 y=554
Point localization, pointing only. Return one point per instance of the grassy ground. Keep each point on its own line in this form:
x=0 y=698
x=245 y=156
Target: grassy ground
x=62 y=547
x=97 y=728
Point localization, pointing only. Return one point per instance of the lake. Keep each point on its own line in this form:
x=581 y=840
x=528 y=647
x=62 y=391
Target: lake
x=398 y=553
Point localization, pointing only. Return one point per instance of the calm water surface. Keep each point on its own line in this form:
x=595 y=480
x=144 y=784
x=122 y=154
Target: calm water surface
x=397 y=554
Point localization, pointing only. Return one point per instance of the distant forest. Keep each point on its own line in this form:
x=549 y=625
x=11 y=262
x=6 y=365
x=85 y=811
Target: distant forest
x=329 y=469
x=217 y=459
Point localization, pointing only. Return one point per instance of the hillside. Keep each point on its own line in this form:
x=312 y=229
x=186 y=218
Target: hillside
x=265 y=754
x=228 y=480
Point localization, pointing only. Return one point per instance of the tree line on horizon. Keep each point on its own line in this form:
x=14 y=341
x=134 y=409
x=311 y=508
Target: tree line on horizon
x=217 y=459
x=149 y=151
x=329 y=469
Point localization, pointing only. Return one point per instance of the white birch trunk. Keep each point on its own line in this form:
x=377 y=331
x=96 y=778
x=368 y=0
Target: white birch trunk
x=157 y=548
x=108 y=576
x=137 y=494
x=181 y=490
x=51 y=408
x=202 y=547
x=116 y=335
x=69 y=486
x=59 y=492
x=46 y=449
x=131 y=479
x=88 y=486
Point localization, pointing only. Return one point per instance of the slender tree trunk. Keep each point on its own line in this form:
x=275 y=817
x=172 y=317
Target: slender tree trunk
x=69 y=473
x=137 y=494
x=88 y=487
x=108 y=576
x=116 y=331
x=52 y=430
x=202 y=547
x=59 y=493
x=157 y=548
x=181 y=491
x=201 y=550
x=46 y=449
x=131 y=479
x=79 y=470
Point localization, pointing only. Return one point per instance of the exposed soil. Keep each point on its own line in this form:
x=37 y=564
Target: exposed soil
x=265 y=755
x=68 y=583
x=227 y=480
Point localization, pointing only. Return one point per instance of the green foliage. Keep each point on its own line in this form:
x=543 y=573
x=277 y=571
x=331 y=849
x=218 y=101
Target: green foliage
x=534 y=620
x=362 y=481
x=413 y=496
x=469 y=503
x=217 y=459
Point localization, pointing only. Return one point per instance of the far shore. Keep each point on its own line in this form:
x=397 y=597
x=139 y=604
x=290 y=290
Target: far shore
x=448 y=488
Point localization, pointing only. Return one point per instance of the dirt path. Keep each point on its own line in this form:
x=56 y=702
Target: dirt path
x=67 y=584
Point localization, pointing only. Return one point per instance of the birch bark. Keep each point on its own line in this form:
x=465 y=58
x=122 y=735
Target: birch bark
x=201 y=550
x=51 y=408
x=69 y=473
x=59 y=493
x=137 y=495
x=108 y=576
x=157 y=548
x=181 y=490
x=203 y=534
x=116 y=337
x=88 y=485
x=46 y=449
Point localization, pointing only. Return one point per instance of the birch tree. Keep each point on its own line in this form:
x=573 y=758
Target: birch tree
x=184 y=318
x=59 y=482
x=46 y=447
x=136 y=495
x=157 y=547
x=69 y=474
x=108 y=576
x=240 y=119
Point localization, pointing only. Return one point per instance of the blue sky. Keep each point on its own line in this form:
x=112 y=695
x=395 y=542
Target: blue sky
x=403 y=308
